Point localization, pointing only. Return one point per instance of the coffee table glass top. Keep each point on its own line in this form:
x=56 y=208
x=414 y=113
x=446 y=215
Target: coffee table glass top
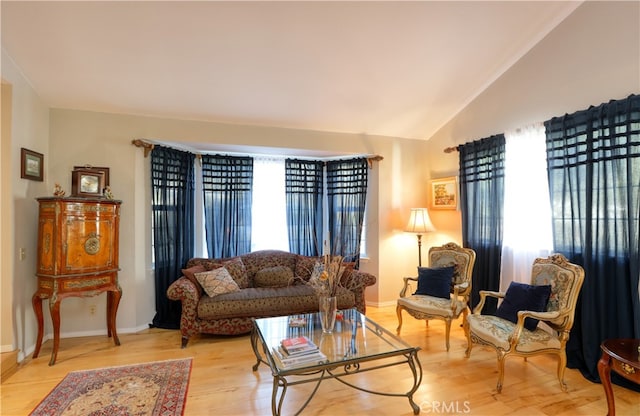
x=355 y=338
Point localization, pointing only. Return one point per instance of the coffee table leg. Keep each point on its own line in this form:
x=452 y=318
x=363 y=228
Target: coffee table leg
x=411 y=360
x=281 y=382
x=254 y=346
x=276 y=408
x=416 y=369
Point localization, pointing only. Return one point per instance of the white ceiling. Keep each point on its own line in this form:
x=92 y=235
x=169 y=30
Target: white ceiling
x=400 y=69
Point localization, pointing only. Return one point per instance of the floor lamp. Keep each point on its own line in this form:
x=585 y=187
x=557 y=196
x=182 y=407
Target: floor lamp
x=419 y=223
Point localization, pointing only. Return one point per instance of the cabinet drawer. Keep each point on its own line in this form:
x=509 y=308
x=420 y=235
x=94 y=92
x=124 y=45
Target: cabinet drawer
x=626 y=371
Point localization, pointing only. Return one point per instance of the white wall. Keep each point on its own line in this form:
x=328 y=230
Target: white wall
x=7 y=335
x=29 y=129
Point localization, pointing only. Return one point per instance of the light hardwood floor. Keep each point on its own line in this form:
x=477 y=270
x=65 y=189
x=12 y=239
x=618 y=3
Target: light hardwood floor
x=223 y=383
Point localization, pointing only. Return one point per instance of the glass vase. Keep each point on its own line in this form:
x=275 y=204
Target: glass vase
x=328 y=347
x=328 y=307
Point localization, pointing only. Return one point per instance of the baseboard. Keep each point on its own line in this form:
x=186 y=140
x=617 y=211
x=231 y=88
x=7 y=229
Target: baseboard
x=9 y=364
x=381 y=304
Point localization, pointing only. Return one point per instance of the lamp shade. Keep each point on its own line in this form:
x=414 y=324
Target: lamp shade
x=419 y=221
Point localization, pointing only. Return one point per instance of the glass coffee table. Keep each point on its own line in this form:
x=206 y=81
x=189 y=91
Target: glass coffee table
x=356 y=345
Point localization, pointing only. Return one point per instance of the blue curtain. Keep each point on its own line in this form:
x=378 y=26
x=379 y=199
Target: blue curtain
x=303 y=188
x=594 y=180
x=172 y=207
x=227 y=183
x=346 y=194
x=482 y=209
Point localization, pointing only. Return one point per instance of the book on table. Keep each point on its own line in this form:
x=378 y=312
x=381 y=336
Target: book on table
x=297 y=321
x=298 y=345
x=286 y=360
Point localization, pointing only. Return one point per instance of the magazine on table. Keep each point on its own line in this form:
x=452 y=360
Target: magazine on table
x=297 y=321
x=298 y=345
x=315 y=357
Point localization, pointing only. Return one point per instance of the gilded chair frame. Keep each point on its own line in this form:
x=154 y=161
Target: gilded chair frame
x=425 y=307
x=507 y=338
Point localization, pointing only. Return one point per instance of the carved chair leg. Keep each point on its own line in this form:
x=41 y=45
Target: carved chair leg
x=562 y=364
x=184 y=342
x=447 y=331
x=399 y=313
x=467 y=333
x=465 y=314
x=501 y=357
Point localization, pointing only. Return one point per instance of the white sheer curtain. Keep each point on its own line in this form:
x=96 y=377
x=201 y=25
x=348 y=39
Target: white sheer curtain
x=527 y=211
x=269 y=211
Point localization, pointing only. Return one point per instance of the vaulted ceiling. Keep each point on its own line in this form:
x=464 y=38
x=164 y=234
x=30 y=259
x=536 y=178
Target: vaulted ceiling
x=400 y=69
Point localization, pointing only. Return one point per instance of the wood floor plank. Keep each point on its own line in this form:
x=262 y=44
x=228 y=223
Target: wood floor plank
x=223 y=383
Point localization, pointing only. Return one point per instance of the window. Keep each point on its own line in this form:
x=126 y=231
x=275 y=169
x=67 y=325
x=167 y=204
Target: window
x=269 y=228
x=527 y=210
x=269 y=221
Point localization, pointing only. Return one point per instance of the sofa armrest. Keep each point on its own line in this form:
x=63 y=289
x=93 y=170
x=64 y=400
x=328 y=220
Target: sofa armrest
x=186 y=291
x=357 y=281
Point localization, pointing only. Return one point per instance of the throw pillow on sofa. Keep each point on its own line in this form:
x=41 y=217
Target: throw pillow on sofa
x=279 y=276
x=217 y=282
x=190 y=274
x=236 y=269
x=347 y=269
x=305 y=265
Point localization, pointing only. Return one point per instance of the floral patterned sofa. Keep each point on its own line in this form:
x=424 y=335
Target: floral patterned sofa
x=270 y=282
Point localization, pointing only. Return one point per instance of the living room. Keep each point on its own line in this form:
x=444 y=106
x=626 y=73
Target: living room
x=568 y=69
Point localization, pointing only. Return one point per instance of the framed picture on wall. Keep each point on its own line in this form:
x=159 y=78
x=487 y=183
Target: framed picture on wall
x=31 y=164
x=444 y=193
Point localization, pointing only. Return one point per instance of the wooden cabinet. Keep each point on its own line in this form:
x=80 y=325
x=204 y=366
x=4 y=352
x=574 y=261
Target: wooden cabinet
x=77 y=256
x=623 y=357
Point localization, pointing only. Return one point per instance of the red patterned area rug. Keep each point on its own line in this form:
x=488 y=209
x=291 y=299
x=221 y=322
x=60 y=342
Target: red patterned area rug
x=157 y=388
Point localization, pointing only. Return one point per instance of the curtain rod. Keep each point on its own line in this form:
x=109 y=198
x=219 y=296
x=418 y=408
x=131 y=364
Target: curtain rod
x=148 y=147
x=451 y=149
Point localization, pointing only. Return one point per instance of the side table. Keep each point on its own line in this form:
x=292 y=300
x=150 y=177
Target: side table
x=623 y=357
x=57 y=288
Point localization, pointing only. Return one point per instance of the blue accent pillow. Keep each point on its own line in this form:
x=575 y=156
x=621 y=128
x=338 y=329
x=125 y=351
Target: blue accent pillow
x=524 y=297
x=435 y=281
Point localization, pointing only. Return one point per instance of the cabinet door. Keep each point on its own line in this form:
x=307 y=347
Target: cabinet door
x=46 y=245
x=88 y=244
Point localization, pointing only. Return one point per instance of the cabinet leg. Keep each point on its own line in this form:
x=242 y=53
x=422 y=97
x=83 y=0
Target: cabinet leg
x=113 y=300
x=109 y=307
x=36 y=301
x=54 y=307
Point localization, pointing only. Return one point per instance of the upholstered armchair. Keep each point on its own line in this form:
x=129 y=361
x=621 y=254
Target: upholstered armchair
x=450 y=268
x=552 y=278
